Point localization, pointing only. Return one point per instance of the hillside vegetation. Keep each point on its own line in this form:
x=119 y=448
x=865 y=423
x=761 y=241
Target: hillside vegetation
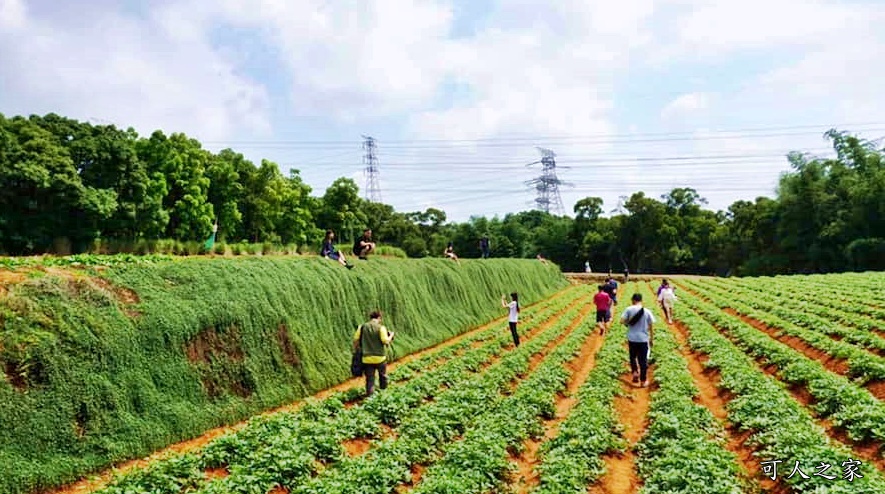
x=71 y=187
x=107 y=363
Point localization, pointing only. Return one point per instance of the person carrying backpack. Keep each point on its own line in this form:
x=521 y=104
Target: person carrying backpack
x=640 y=335
x=372 y=339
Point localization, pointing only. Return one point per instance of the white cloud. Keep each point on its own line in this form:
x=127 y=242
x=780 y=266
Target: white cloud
x=689 y=104
x=155 y=73
x=356 y=58
x=720 y=27
x=12 y=14
x=530 y=69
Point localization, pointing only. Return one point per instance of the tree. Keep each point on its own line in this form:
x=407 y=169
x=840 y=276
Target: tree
x=341 y=209
x=226 y=192
x=182 y=162
x=45 y=205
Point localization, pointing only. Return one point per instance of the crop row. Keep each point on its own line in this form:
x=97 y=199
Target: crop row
x=315 y=431
x=572 y=460
x=861 y=363
x=781 y=428
x=531 y=317
x=479 y=462
x=866 y=288
x=845 y=403
x=426 y=433
x=684 y=448
x=831 y=305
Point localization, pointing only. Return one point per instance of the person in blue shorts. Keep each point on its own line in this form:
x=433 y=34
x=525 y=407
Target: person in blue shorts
x=330 y=252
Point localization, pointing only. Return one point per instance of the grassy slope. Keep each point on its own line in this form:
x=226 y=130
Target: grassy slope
x=92 y=379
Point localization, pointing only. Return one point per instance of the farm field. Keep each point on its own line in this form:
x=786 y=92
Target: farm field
x=756 y=377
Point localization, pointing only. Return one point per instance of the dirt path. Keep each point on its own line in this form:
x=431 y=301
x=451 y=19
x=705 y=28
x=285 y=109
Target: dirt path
x=833 y=364
x=96 y=481
x=632 y=408
x=527 y=478
x=868 y=450
x=536 y=360
x=359 y=446
x=715 y=399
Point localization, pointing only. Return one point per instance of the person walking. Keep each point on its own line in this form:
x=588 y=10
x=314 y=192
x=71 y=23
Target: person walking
x=330 y=252
x=513 y=318
x=667 y=298
x=664 y=284
x=373 y=338
x=611 y=288
x=640 y=336
x=587 y=267
x=603 y=309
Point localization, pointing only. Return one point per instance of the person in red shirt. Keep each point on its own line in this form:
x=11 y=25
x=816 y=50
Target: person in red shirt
x=603 y=304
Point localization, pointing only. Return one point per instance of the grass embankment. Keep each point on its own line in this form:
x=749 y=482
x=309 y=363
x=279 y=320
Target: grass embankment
x=107 y=364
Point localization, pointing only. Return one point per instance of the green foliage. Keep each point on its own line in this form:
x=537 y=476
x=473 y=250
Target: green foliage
x=96 y=375
x=780 y=427
x=65 y=184
x=684 y=449
x=389 y=251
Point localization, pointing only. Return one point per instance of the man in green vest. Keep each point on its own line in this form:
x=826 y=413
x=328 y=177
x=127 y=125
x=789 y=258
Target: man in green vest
x=372 y=337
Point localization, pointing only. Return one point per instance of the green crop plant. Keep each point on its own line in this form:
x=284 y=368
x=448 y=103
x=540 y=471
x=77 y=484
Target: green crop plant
x=118 y=358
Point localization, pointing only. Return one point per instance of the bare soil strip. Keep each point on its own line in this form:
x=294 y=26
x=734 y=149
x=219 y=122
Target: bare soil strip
x=833 y=364
x=527 y=478
x=359 y=446
x=868 y=450
x=97 y=481
x=536 y=360
x=632 y=408
x=715 y=400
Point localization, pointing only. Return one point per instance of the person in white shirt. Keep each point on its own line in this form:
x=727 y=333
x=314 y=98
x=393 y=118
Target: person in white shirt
x=667 y=297
x=513 y=318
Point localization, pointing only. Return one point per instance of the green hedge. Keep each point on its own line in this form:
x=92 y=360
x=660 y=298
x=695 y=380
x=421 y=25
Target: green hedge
x=113 y=363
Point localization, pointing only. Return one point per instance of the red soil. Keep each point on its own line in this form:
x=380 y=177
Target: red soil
x=580 y=369
x=97 y=481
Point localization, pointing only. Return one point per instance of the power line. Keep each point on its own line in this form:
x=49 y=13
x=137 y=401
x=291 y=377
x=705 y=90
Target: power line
x=599 y=138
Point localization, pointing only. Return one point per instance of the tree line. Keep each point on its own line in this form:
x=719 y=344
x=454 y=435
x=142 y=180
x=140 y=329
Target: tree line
x=65 y=184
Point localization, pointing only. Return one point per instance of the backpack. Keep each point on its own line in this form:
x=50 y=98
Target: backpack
x=356 y=360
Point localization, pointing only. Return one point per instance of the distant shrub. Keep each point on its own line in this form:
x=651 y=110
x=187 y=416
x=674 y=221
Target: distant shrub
x=386 y=250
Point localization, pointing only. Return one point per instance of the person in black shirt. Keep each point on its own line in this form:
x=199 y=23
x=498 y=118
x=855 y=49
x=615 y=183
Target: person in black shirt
x=611 y=288
x=364 y=245
x=484 y=249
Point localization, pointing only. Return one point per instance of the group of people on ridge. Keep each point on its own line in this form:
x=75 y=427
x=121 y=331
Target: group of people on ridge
x=364 y=245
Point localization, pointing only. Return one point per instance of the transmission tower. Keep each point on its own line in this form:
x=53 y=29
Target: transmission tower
x=547 y=185
x=370 y=161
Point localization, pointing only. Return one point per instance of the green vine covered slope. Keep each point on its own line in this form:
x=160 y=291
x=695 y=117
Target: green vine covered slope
x=104 y=363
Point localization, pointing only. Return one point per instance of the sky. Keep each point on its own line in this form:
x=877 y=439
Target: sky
x=630 y=95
